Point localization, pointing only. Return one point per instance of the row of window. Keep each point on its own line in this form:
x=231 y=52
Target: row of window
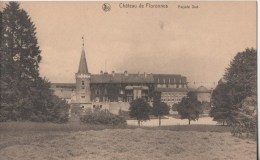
x=170 y=86
x=170 y=100
x=173 y=94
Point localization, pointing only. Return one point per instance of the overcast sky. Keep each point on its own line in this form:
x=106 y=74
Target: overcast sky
x=196 y=43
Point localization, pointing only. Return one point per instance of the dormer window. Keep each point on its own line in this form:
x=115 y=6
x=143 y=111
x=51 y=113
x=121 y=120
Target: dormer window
x=83 y=83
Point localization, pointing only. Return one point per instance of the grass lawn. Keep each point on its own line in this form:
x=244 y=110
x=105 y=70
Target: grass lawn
x=26 y=140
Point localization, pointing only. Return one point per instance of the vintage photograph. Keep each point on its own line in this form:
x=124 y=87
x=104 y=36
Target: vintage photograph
x=121 y=80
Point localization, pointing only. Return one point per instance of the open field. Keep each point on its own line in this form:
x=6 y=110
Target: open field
x=77 y=141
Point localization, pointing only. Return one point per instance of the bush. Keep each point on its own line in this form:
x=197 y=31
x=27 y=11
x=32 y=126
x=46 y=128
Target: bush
x=246 y=127
x=245 y=118
x=101 y=117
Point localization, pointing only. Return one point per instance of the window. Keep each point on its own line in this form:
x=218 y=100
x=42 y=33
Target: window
x=97 y=91
x=82 y=106
x=83 y=83
x=82 y=87
x=82 y=97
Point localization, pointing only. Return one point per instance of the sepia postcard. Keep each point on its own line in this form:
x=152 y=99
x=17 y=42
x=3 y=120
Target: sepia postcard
x=142 y=80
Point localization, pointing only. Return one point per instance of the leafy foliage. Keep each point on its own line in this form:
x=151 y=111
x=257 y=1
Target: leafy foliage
x=159 y=108
x=222 y=104
x=241 y=75
x=24 y=94
x=140 y=110
x=101 y=117
x=246 y=118
x=234 y=100
x=189 y=108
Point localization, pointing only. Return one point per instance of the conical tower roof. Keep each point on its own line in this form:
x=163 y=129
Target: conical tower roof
x=83 y=68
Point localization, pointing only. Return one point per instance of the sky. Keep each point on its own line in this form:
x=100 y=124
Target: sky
x=198 y=43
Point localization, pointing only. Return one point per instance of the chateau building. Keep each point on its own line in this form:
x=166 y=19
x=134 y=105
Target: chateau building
x=114 y=91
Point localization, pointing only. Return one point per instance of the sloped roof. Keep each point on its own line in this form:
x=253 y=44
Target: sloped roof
x=172 y=89
x=121 y=78
x=83 y=68
x=169 y=78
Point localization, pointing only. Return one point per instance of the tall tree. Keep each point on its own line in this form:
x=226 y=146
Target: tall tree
x=159 y=108
x=189 y=108
x=241 y=75
x=234 y=100
x=24 y=94
x=20 y=56
x=221 y=103
x=19 y=45
x=240 y=83
x=140 y=110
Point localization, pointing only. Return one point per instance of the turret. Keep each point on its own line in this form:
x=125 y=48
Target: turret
x=83 y=80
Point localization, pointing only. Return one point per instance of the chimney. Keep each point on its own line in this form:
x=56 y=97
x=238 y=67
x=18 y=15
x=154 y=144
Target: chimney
x=145 y=75
x=113 y=73
x=126 y=73
x=101 y=72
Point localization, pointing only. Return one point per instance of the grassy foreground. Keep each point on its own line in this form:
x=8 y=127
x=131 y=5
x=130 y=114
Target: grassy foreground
x=26 y=140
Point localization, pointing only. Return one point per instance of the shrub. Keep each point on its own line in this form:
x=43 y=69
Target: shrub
x=245 y=120
x=101 y=117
